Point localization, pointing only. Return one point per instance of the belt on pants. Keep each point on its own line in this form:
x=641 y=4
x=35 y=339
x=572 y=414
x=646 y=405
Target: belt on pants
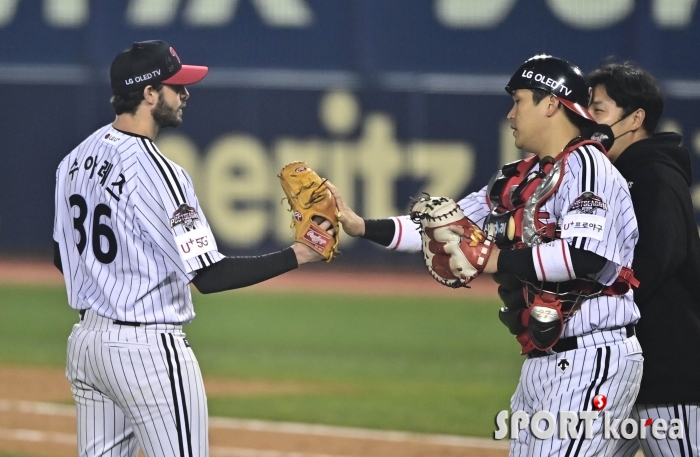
x=571 y=342
x=130 y=324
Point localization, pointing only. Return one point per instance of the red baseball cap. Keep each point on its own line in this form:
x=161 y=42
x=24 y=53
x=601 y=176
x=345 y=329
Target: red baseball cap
x=148 y=63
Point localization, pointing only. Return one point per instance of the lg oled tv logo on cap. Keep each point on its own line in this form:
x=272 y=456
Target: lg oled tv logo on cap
x=144 y=77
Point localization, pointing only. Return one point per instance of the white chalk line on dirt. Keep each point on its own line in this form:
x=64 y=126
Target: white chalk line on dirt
x=240 y=452
x=356 y=433
x=53 y=409
x=36 y=436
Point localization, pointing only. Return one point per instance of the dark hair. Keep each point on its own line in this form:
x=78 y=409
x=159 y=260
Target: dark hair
x=129 y=103
x=580 y=122
x=631 y=88
x=538 y=95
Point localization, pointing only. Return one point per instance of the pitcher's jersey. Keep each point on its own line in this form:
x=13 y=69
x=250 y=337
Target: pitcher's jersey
x=130 y=230
x=593 y=208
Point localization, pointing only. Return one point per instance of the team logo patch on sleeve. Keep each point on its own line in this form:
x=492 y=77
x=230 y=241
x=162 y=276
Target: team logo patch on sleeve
x=185 y=215
x=588 y=203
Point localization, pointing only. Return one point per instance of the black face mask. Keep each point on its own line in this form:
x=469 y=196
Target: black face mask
x=620 y=120
x=601 y=133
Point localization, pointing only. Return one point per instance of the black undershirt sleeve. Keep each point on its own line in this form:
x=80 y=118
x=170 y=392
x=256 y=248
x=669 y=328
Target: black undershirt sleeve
x=57 y=257
x=236 y=272
x=380 y=231
x=519 y=262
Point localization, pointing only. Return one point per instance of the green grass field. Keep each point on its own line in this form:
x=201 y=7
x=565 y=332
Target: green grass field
x=376 y=362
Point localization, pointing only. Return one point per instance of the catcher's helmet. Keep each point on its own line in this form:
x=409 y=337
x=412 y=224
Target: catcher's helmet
x=556 y=76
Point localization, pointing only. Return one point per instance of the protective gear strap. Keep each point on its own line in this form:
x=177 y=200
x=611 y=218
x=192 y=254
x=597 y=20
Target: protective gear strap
x=623 y=283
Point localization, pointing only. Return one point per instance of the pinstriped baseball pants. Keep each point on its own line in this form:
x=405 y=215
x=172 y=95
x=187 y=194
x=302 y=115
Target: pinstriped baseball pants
x=136 y=387
x=687 y=446
x=549 y=384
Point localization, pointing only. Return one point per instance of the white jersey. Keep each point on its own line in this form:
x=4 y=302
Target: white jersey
x=593 y=208
x=130 y=230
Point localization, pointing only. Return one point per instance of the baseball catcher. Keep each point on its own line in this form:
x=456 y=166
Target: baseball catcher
x=564 y=233
x=310 y=203
x=453 y=259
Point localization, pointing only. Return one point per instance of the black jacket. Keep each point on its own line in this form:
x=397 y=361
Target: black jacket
x=667 y=263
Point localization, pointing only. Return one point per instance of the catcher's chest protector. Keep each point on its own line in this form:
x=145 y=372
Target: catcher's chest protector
x=517 y=192
x=511 y=191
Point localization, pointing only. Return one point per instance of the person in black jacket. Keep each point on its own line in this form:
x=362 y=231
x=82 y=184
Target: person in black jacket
x=666 y=258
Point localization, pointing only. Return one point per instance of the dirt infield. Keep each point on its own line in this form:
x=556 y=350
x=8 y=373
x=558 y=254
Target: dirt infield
x=37 y=416
x=313 y=277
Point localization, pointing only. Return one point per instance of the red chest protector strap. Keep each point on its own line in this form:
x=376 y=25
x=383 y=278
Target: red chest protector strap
x=623 y=283
x=511 y=188
x=513 y=181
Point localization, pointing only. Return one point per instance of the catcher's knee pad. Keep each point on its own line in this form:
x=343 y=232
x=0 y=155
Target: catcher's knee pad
x=511 y=314
x=545 y=325
x=511 y=318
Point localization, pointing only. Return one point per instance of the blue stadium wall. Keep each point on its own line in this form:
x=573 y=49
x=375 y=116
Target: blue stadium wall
x=387 y=98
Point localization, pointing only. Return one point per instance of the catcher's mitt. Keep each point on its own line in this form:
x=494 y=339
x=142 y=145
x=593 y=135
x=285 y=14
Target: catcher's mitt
x=453 y=260
x=309 y=198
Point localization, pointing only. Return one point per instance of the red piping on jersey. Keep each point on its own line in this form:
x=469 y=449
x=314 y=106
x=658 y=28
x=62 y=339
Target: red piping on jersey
x=566 y=261
x=398 y=241
x=539 y=259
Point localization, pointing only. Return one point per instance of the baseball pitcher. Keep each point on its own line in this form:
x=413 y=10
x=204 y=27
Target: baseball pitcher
x=130 y=236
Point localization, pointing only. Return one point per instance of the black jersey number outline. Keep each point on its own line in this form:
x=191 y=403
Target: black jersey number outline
x=98 y=229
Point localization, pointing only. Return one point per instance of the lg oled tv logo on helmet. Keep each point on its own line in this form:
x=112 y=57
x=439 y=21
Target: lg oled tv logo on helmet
x=547 y=81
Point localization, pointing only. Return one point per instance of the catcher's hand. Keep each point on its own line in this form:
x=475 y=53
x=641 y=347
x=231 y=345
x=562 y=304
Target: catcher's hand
x=310 y=203
x=454 y=248
x=353 y=224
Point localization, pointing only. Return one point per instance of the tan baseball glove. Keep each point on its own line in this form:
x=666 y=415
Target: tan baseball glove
x=453 y=260
x=310 y=202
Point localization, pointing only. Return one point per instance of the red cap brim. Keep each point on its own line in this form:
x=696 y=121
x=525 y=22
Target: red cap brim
x=188 y=74
x=576 y=108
